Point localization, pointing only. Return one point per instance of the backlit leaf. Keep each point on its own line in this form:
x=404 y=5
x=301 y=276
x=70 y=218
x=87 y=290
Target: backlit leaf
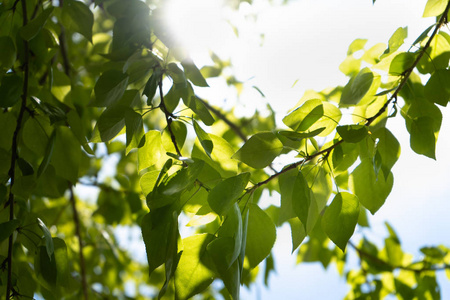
x=423 y=140
x=78 y=17
x=204 y=138
x=340 y=218
x=352 y=133
x=260 y=150
x=371 y=190
x=434 y=8
x=193 y=274
x=224 y=194
x=357 y=87
x=109 y=88
x=261 y=235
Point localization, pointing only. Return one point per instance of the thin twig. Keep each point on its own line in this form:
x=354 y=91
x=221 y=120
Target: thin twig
x=227 y=121
x=14 y=150
x=77 y=224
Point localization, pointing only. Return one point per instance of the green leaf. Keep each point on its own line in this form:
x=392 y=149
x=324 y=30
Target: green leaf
x=151 y=152
x=286 y=183
x=204 y=138
x=222 y=197
x=220 y=158
x=352 y=133
x=193 y=73
x=370 y=189
x=7 y=228
x=340 y=218
x=111 y=122
x=33 y=27
x=298 y=233
x=298 y=136
x=48 y=238
x=261 y=235
x=301 y=198
x=436 y=57
x=356 y=45
x=53 y=271
x=25 y=167
x=134 y=130
x=260 y=150
x=396 y=40
x=306 y=115
x=109 y=88
x=7 y=52
x=423 y=140
x=78 y=17
x=434 y=8
x=401 y=63
x=388 y=147
x=179 y=131
x=66 y=146
x=160 y=233
x=437 y=89
x=193 y=274
x=357 y=87
x=152 y=85
x=10 y=90
x=183 y=178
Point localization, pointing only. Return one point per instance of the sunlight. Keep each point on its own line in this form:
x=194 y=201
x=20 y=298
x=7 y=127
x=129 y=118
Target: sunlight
x=197 y=24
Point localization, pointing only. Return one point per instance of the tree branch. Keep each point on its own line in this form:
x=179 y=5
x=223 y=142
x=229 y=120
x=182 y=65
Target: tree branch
x=77 y=224
x=364 y=254
x=14 y=150
x=409 y=71
x=370 y=120
x=227 y=121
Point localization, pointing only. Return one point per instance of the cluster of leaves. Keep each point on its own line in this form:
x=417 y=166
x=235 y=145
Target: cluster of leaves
x=76 y=76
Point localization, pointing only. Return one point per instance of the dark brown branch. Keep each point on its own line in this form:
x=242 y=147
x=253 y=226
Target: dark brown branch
x=63 y=46
x=14 y=150
x=227 y=121
x=409 y=71
x=77 y=224
x=364 y=254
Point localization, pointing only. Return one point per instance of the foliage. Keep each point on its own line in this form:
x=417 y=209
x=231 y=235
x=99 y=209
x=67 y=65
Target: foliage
x=83 y=81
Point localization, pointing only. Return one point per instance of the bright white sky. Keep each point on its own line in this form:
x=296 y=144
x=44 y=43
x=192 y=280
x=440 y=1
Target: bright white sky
x=306 y=41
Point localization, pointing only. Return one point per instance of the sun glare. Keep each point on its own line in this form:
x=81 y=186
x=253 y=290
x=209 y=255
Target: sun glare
x=196 y=24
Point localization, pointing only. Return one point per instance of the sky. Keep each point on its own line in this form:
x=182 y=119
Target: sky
x=304 y=42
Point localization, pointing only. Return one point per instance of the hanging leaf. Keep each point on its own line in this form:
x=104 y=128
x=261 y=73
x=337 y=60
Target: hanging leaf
x=224 y=195
x=109 y=88
x=371 y=190
x=193 y=274
x=260 y=150
x=204 y=138
x=352 y=133
x=434 y=8
x=7 y=53
x=193 y=73
x=423 y=140
x=47 y=237
x=261 y=235
x=7 y=228
x=306 y=115
x=33 y=27
x=357 y=87
x=78 y=17
x=340 y=218
x=301 y=198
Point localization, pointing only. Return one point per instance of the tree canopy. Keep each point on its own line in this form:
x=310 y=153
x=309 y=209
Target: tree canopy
x=100 y=95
